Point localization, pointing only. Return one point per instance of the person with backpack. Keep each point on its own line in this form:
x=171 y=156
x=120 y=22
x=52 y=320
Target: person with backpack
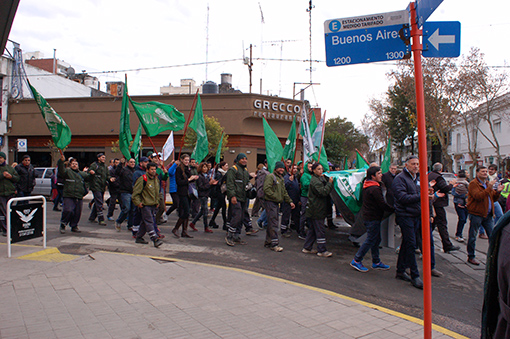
x=274 y=195
x=146 y=198
x=73 y=193
x=220 y=192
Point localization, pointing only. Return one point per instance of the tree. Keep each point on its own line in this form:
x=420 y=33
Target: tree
x=341 y=138
x=373 y=124
x=214 y=131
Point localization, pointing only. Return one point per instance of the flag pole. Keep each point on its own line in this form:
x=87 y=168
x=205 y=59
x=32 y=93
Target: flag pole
x=322 y=136
x=362 y=156
x=187 y=122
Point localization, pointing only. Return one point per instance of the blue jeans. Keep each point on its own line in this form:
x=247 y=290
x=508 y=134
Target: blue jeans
x=462 y=214
x=475 y=222
x=125 y=205
x=498 y=212
x=406 y=256
x=371 y=242
x=263 y=218
x=203 y=211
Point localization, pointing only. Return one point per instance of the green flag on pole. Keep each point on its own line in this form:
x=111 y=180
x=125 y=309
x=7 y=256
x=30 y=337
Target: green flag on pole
x=290 y=144
x=60 y=132
x=348 y=185
x=218 y=152
x=274 y=149
x=385 y=166
x=360 y=162
x=346 y=164
x=157 y=117
x=125 y=137
x=198 y=125
x=137 y=143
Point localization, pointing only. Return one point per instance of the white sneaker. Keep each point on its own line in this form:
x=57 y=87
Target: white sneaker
x=460 y=239
x=277 y=248
x=117 y=226
x=325 y=254
x=304 y=250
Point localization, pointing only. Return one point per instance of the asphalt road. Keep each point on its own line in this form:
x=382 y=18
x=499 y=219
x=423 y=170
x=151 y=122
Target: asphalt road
x=457 y=296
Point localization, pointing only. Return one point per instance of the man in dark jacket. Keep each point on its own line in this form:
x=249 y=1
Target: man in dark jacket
x=440 y=220
x=74 y=190
x=406 y=191
x=275 y=194
x=140 y=170
x=387 y=180
x=259 y=184
x=98 y=183
x=373 y=210
x=124 y=174
x=113 y=188
x=290 y=215
x=26 y=182
x=8 y=179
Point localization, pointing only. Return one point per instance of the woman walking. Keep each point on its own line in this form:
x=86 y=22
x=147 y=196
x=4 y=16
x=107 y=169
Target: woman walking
x=182 y=178
x=204 y=189
x=317 y=210
x=221 y=203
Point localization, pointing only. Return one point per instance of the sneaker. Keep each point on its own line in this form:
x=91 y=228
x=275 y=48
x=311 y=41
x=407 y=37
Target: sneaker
x=259 y=223
x=417 y=251
x=229 y=241
x=473 y=261
x=192 y=226
x=251 y=231
x=325 y=254
x=161 y=236
x=304 y=250
x=110 y=219
x=483 y=236
x=102 y=223
x=302 y=237
x=75 y=229
x=240 y=242
x=141 y=241
x=62 y=229
x=277 y=248
x=286 y=234
x=460 y=239
x=358 y=266
x=380 y=266
x=117 y=226
x=208 y=230
x=157 y=243
x=451 y=249
x=436 y=273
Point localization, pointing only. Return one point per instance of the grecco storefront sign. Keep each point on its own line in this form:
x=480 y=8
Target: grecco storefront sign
x=274 y=110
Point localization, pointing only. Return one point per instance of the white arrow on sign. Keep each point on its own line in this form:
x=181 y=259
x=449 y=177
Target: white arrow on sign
x=436 y=39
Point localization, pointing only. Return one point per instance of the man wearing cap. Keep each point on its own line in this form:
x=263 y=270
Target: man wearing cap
x=237 y=180
x=140 y=170
x=98 y=182
x=8 y=178
x=162 y=174
x=275 y=194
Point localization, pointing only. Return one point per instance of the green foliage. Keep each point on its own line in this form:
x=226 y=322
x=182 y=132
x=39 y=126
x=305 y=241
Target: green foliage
x=400 y=113
x=341 y=138
x=214 y=131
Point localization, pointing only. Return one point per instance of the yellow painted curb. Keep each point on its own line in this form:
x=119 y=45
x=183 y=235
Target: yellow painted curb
x=415 y=320
x=50 y=255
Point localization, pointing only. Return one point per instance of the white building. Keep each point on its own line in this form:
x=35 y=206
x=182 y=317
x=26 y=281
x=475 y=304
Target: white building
x=486 y=152
x=188 y=86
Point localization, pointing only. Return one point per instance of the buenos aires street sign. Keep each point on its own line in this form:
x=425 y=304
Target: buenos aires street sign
x=441 y=39
x=368 y=38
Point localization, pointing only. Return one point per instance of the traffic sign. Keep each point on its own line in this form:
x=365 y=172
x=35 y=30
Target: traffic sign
x=424 y=8
x=368 y=38
x=441 y=39
x=22 y=145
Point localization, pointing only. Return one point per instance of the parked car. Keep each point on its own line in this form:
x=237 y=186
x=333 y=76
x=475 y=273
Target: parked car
x=43 y=181
x=448 y=176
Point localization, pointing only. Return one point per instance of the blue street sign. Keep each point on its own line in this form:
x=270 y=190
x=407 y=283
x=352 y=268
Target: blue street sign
x=366 y=45
x=441 y=39
x=424 y=8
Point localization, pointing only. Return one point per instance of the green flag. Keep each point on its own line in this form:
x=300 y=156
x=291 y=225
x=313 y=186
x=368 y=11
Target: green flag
x=348 y=185
x=60 y=132
x=360 y=162
x=315 y=156
x=157 y=117
x=125 y=137
x=274 y=149
x=137 y=142
x=290 y=144
x=385 y=166
x=198 y=125
x=346 y=164
x=218 y=152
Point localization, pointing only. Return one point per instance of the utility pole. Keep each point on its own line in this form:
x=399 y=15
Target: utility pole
x=309 y=10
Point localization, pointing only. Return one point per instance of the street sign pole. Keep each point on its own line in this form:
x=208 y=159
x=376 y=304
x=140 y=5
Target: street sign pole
x=422 y=152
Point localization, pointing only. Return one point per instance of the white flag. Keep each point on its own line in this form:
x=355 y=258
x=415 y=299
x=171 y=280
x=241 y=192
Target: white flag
x=168 y=147
x=308 y=148
x=317 y=135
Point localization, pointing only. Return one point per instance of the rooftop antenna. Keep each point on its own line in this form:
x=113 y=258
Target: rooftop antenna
x=309 y=10
x=207 y=44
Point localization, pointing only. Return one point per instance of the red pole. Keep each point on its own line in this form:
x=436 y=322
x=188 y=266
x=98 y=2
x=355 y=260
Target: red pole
x=361 y=155
x=322 y=137
x=422 y=152
x=153 y=147
x=187 y=123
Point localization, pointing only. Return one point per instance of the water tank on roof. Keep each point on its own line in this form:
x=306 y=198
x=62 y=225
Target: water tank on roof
x=210 y=87
x=226 y=78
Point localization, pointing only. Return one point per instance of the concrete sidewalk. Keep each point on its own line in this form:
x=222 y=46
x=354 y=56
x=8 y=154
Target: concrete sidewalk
x=45 y=294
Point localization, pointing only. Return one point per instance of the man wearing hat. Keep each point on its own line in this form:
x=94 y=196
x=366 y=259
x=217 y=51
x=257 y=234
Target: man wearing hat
x=140 y=170
x=275 y=194
x=162 y=174
x=237 y=180
x=8 y=178
x=98 y=182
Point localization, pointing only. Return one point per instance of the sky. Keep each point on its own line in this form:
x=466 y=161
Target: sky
x=157 y=42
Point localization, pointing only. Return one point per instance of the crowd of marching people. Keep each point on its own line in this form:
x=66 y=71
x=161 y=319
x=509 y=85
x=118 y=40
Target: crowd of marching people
x=293 y=198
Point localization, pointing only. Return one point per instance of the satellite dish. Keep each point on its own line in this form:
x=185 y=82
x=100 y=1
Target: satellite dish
x=70 y=72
